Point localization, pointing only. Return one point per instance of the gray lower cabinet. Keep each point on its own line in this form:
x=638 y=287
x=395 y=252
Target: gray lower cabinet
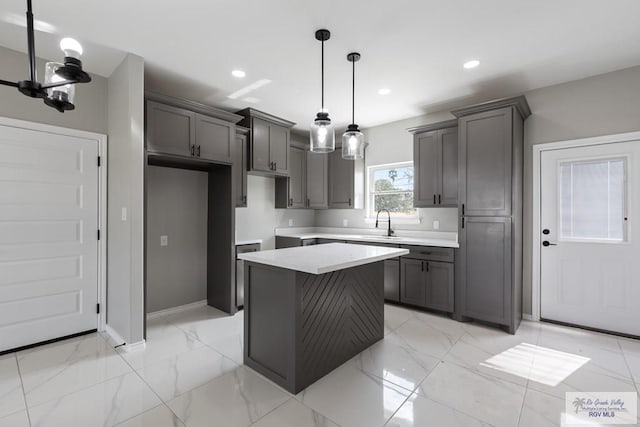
x=317 y=180
x=291 y=191
x=170 y=130
x=428 y=284
x=242 y=249
x=240 y=167
x=392 y=280
x=413 y=284
x=435 y=160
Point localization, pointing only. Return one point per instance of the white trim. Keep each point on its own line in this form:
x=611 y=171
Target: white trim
x=369 y=217
x=526 y=316
x=101 y=139
x=535 y=234
x=136 y=346
x=178 y=309
x=117 y=339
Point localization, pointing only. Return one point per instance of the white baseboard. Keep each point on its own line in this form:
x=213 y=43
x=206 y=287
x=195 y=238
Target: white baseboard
x=174 y=310
x=527 y=316
x=117 y=340
x=115 y=337
x=136 y=346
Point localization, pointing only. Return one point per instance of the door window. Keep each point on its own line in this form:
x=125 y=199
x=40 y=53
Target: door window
x=593 y=199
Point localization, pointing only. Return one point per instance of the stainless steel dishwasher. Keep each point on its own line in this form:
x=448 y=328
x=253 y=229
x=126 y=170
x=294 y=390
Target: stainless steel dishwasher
x=241 y=249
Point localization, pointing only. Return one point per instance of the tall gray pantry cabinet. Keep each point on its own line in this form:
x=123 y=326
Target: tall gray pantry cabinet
x=490 y=164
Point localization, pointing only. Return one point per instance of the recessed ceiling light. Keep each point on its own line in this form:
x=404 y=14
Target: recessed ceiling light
x=238 y=73
x=384 y=91
x=471 y=64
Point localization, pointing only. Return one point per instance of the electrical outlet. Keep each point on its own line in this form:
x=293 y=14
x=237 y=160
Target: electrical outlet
x=345 y=222
x=124 y=214
x=436 y=225
x=164 y=240
x=290 y=222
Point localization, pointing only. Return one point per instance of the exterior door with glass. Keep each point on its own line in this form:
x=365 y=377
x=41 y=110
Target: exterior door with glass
x=590 y=253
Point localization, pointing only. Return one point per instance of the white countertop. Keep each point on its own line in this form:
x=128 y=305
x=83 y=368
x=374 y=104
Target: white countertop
x=320 y=259
x=440 y=239
x=248 y=242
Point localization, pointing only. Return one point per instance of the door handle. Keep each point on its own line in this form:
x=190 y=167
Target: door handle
x=547 y=243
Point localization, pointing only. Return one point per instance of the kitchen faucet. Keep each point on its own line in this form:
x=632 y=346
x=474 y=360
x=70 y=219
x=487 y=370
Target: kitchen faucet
x=389 y=230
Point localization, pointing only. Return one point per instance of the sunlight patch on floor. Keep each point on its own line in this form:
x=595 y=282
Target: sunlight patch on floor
x=540 y=364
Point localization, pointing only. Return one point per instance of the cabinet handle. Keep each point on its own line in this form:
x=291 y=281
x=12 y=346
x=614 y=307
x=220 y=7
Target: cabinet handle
x=463 y=209
x=291 y=202
x=349 y=201
x=275 y=166
x=427 y=263
x=462 y=222
x=439 y=199
x=434 y=199
x=198 y=151
x=193 y=150
x=422 y=266
x=244 y=199
x=308 y=202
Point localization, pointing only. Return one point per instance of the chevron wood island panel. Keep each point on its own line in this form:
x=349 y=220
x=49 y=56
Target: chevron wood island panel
x=301 y=326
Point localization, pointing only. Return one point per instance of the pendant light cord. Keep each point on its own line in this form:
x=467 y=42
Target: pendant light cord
x=31 y=42
x=322 y=108
x=353 y=93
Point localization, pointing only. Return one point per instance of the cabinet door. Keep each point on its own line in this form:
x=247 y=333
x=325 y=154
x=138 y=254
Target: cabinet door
x=297 y=178
x=392 y=280
x=170 y=130
x=340 y=181
x=215 y=139
x=439 y=285
x=448 y=167
x=260 y=146
x=413 y=286
x=279 y=148
x=485 y=162
x=240 y=170
x=317 y=181
x=426 y=169
x=485 y=269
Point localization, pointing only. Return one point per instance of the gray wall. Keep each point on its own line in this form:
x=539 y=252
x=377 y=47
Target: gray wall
x=91 y=99
x=125 y=269
x=177 y=208
x=391 y=143
x=259 y=219
x=599 y=105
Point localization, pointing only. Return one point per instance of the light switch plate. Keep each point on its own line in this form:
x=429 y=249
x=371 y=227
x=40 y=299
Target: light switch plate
x=436 y=225
x=291 y=222
x=164 y=240
x=124 y=214
x=345 y=222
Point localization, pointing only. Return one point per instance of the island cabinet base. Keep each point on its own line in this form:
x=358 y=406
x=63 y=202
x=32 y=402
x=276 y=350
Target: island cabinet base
x=298 y=326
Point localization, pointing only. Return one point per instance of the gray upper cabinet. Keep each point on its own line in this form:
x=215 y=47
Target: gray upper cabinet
x=291 y=191
x=269 y=141
x=435 y=161
x=240 y=167
x=215 y=139
x=346 y=182
x=317 y=180
x=178 y=127
x=170 y=130
x=485 y=162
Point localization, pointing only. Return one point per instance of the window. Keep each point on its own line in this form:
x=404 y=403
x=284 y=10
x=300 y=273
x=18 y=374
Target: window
x=391 y=187
x=592 y=199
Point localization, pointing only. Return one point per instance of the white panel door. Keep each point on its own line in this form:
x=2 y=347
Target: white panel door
x=590 y=263
x=48 y=236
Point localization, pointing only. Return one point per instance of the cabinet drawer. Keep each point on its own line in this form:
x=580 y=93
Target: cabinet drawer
x=321 y=241
x=431 y=253
x=308 y=242
x=385 y=245
x=243 y=249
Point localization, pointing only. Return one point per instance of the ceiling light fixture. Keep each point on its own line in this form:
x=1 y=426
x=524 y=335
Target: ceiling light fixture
x=238 y=73
x=471 y=64
x=58 y=89
x=322 y=133
x=384 y=91
x=353 y=139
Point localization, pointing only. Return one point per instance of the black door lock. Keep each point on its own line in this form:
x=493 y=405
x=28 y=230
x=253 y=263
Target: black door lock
x=547 y=243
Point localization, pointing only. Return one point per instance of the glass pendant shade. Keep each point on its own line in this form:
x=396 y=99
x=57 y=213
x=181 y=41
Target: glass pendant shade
x=352 y=143
x=60 y=97
x=322 y=134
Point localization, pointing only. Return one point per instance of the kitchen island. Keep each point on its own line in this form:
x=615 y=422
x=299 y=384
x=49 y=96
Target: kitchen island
x=310 y=309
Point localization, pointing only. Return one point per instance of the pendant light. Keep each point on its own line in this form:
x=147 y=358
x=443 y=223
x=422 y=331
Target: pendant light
x=322 y=132
x=58 y=89
x=353 y=139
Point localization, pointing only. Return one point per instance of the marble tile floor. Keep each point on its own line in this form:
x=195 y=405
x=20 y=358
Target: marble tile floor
x=428 y=371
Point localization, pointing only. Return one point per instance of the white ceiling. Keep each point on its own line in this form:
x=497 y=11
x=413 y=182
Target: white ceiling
x=415 y=48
